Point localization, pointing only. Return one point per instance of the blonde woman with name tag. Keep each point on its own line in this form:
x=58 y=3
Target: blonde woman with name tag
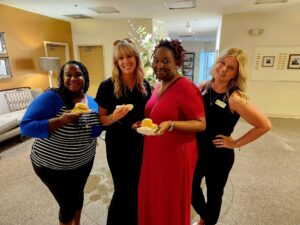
x=225 y=102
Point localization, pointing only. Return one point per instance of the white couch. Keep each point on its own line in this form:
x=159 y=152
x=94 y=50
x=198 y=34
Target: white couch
x=13 y=103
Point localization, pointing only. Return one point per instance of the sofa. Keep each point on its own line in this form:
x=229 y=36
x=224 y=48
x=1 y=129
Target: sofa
x=13 y=104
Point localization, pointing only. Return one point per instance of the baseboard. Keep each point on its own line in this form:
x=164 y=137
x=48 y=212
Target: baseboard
x=283 y=116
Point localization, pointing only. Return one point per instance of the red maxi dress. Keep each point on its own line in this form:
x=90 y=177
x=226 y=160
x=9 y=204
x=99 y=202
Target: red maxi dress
x=164 y=196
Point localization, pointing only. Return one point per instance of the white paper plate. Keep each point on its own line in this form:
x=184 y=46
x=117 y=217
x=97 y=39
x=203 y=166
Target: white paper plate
x=146 y=131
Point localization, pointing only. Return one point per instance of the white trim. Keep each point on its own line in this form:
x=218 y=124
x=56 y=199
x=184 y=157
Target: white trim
x=67 y=52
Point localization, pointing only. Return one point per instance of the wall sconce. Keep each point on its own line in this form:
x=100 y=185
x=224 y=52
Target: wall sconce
x=256 y=31
x=50 y=64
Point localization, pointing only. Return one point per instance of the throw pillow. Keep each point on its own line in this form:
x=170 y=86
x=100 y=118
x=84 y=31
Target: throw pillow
x=18 y=99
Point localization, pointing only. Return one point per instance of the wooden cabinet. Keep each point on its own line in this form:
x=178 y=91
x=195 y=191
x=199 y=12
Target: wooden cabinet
x=188 y=65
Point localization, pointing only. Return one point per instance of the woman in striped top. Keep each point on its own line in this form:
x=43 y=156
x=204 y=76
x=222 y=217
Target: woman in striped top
x=65 y=145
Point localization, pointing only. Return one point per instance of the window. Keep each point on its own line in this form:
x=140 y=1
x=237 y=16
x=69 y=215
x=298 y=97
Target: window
x=207 y=59
x=4 y=60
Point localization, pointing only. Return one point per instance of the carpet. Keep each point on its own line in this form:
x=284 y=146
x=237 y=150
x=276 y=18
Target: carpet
x=263 y=187
x=25 y=200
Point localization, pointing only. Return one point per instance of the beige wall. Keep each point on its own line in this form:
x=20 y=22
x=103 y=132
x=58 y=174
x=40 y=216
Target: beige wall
x=104 y=32
x=282 y=28
x=25 y=34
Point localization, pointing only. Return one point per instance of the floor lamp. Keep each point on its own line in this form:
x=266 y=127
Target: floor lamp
x=50 y=64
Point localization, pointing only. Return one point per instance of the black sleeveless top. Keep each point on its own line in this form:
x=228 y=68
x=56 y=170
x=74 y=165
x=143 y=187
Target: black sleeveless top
x=219 y=118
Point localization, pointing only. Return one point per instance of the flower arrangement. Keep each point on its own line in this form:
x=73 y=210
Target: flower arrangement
x=146 y=43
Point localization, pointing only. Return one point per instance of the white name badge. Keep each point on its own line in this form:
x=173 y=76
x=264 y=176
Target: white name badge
x=220 y=103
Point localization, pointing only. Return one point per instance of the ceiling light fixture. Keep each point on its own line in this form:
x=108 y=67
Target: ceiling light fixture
x=180 y=4
x=105 y=9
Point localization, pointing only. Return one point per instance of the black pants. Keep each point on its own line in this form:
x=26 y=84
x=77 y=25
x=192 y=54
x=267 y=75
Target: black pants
x=124 y=160
x=67 y=188
x=214 y=165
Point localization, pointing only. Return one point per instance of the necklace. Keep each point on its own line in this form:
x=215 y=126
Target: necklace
x=212 y=100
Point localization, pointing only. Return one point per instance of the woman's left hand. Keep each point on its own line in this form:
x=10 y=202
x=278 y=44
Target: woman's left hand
x=163 y=127
x=222 y=141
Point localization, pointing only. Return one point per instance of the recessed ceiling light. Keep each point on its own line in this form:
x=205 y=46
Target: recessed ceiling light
x=269 y=1
x=180 y=4
x=105 y=9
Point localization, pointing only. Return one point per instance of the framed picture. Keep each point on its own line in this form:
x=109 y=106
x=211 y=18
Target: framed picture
x=188 y=65
x=268 y=61
x=294 y=61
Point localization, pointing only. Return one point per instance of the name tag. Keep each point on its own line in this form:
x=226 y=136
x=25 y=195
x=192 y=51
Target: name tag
x=220 y=103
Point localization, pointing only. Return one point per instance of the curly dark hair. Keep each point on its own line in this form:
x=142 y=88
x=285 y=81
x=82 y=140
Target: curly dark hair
x=65 y=94
x=175 y=46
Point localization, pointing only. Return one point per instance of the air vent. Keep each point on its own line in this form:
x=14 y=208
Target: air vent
x=78 y=16
x=105 y=9
x=180 y=4
x=269 y=1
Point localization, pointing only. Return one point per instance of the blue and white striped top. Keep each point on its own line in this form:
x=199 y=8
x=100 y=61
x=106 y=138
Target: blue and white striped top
x=70 y=146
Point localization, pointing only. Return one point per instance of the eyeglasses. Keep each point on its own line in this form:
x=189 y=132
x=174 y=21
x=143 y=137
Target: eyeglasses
x=123 y=41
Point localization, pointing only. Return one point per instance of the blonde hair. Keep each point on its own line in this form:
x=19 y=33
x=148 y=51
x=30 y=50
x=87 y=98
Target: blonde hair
x=239 y=83
x=126 y=47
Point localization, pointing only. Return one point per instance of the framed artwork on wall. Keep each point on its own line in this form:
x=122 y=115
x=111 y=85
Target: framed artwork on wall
x=188 y=65
x=268 y=61
x=294 y=61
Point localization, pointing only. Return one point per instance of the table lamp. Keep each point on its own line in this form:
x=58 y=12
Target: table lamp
x=50 y=64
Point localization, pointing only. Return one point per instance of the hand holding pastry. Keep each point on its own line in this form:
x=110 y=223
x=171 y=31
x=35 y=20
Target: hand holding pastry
x=121 y=111
x=80 y=108
x=148 y=127
x=127 y=106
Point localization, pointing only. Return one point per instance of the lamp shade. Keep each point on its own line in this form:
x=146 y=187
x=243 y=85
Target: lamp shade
x=49 y=63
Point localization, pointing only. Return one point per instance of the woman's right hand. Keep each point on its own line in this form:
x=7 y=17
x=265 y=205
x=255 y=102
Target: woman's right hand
x=119 y=113
x=68 y=117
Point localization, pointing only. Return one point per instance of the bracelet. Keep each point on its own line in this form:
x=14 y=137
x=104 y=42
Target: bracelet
x=171 y=127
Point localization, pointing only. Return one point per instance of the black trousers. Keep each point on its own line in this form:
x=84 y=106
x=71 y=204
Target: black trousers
x=214 y=165
x=124 y=160
x=67 y=187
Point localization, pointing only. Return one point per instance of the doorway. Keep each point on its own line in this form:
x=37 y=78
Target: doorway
x=92 y=57
x=59 y=50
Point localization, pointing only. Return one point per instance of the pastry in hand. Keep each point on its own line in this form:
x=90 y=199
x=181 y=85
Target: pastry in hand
x=148 y=123
x=147 y=127
x=80 y=108
x=129 y=106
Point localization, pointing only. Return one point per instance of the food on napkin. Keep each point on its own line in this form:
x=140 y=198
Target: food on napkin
x=80 y=108
x=147 y=127
x=129 y=106
x=148 y=123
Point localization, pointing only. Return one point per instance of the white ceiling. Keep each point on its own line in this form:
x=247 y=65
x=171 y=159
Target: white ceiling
x=204 y=18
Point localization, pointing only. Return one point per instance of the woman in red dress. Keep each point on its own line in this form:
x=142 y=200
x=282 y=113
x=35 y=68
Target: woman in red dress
x=170 y=156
